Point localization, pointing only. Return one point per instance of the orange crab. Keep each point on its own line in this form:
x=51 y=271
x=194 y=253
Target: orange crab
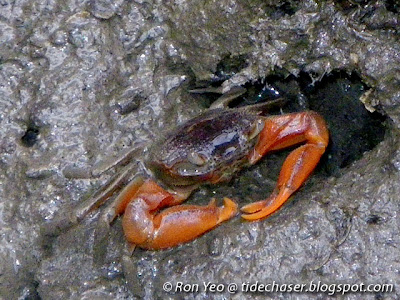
x=210 y=149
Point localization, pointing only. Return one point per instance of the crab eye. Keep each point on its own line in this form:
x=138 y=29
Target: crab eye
x=256 y=129
x=186 y=169
x=197 y=159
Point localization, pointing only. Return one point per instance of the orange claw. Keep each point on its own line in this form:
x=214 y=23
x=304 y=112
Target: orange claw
x=256 y=206
x=147 y=227
x=281 y=132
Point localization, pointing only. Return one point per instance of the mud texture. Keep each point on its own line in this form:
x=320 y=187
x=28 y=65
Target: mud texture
x=81 y=81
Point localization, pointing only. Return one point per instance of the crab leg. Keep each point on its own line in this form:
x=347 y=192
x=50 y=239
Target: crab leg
x=108 y=215
x=145 y=226
x=281 y=132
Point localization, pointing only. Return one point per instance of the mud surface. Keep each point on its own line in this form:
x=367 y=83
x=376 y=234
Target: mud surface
x=83 y=81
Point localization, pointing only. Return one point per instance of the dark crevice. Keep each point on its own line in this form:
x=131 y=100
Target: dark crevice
x=281 y=9
x=31 y=134
x=353 y=129
x=374 y=220
x=393 y=6
x=31 y=292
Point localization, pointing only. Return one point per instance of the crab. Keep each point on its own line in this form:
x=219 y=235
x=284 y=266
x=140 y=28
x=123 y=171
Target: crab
x=208 y=149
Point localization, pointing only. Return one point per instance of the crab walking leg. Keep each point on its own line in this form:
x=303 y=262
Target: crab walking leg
x=66 y=220
x=284 y=131
x=148 y=228
x=108 y=215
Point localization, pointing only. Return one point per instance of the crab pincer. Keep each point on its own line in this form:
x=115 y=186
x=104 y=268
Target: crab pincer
x=144 y=225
